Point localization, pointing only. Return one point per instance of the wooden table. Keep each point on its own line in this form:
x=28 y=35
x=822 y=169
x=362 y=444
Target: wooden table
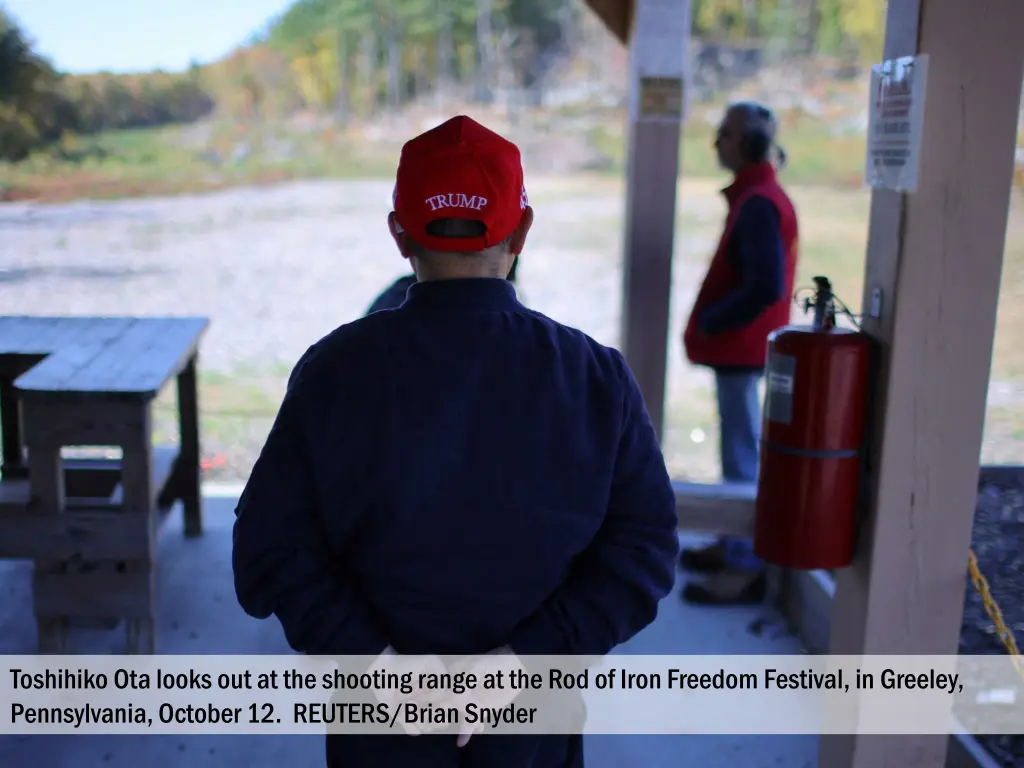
x=90 y=524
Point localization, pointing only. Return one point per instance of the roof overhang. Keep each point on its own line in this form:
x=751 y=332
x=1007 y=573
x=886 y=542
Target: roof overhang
x=617 y=15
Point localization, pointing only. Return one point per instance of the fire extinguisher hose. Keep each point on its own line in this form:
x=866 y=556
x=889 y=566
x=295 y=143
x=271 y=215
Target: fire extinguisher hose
x=824 y=304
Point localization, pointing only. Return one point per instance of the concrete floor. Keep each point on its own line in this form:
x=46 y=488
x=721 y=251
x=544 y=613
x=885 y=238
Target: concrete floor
x=199 y=615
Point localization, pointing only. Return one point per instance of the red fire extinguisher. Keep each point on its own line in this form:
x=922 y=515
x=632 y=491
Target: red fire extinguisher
x=812 y=442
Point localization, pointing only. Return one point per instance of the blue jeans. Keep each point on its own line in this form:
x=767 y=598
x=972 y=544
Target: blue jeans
x=739 y=414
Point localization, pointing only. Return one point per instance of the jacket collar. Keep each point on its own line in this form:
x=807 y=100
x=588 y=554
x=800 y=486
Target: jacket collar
x=751 y=176
x=481 y=294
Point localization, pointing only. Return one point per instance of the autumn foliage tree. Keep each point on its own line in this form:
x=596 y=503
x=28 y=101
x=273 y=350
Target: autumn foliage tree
x=33 y=108
x=38 y=105
x=356 y=57
x=830 y=27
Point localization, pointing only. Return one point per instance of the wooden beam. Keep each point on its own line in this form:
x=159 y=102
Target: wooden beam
x=936 y=256
x=807 y=606
x=722 y=510
x=657 y=91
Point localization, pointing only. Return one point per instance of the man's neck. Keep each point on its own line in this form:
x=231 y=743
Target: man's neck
x=423 y=276
x=457 y=269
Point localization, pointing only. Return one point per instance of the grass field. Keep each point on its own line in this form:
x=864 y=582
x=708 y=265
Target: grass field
x=187 y=159
x=214 y=155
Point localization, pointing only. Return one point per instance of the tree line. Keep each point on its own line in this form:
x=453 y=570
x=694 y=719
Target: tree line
x=355 y=57
x=846 y=28
x=39 y=105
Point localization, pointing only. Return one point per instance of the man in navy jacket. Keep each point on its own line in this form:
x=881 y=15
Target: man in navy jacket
x=460 y=475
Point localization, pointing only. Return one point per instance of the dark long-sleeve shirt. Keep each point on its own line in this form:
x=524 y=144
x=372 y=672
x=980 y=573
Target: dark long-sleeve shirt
x=756 y=251
x=456 y=475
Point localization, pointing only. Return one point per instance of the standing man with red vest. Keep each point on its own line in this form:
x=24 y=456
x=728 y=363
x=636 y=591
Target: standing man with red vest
x=745 y=295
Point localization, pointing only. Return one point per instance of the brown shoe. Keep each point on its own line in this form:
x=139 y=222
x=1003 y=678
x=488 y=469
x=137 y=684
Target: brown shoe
x=727 y=588
x=710 y=559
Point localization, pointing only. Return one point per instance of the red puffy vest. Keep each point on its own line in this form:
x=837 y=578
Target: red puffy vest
x=746 y=346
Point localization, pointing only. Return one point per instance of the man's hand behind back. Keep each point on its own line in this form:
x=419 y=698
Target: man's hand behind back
x=499 y=664
x=392 y=663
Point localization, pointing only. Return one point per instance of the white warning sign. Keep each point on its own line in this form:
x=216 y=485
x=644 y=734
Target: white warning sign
x=895 y=121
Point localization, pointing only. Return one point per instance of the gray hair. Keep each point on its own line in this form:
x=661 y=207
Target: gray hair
x=756 y=117
x=759 y=121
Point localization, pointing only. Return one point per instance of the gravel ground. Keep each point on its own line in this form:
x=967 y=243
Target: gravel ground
x=998 y=533
x=277 y=268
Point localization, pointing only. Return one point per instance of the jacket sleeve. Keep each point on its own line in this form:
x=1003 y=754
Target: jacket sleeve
x=756 y=250
x=281 y=561
x=613 y=589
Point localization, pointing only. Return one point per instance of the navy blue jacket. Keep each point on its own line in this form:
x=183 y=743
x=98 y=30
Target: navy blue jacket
x=455 y=475
x=755 y=249
x=393 y=295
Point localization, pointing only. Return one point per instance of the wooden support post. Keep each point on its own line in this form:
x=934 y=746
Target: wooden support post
x=660 y=36
x=936 y=255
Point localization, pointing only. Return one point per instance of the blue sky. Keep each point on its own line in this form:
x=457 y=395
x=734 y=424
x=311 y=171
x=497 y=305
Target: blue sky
x=138 y=35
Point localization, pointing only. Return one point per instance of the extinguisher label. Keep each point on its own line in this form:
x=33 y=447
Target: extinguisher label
x=779 y=390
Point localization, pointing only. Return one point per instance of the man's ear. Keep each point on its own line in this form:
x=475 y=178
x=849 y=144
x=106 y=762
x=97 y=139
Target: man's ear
x=518 y=240
x=398 y=235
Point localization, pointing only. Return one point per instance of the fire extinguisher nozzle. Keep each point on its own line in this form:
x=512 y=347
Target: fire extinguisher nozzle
x=824 y=307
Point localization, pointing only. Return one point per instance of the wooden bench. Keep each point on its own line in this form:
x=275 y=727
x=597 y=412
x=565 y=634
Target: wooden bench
x=720 y=509
x=90 y=523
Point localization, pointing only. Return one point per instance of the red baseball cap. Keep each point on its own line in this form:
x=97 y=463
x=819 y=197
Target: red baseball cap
x=460 y=170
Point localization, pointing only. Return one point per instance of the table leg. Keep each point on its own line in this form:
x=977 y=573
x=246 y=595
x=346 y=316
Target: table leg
x=140 y=631
x=48 y=499
x=13 y=465
x=53 y=635
x=138 y=491
x=188 y=469
x=140 y=637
